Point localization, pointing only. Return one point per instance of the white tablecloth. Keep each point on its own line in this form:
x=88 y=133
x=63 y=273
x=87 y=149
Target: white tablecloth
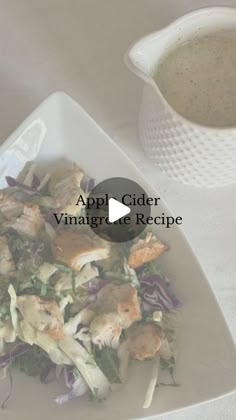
x=78 y=46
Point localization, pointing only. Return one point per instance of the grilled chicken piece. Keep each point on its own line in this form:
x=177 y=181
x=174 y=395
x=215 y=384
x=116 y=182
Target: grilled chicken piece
x=121 y=299
x=66 y=190
x=76 y=249
x=105 y=330
x=144 y=341
x=145 y=250
x=9 y=207
x=42 y=314
x=116 y=308
x=30 y=223
x=7 y=264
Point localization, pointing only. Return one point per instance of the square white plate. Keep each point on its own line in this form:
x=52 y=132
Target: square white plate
x=60 y=129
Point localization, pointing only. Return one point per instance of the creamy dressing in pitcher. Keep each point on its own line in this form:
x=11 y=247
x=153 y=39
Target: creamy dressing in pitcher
x=198 y=79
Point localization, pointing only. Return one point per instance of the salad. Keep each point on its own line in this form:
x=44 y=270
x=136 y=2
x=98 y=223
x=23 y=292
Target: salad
x=72 y=305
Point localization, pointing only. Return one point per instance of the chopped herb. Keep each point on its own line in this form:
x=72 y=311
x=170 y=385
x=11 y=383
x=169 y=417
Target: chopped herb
x=34 y=285
x=63 y=268
x=170 y=384
x=151 y=269
x=35 y=272
x=19 y=247
x=168 y=364
x=67 y=314
x=148 y=318
x=4 y=298
x=73 y=278
x=91 y=362
x=5 y=311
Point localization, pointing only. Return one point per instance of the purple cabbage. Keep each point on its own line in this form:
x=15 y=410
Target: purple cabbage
x=17 y=350
x=156 y=292
x=69 y=375
x=77 y=386
x=12 y=182
x=93 y=286
x=36 y=248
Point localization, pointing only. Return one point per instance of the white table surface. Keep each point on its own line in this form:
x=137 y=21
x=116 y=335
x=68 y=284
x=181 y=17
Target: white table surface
x=78 y=46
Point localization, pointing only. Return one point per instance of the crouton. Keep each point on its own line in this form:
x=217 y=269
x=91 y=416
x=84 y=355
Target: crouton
x=144 y=341
x=65 y=188
x=121 y=299
x=9 y=207
x=145 y=250
x=105 y=330
x=30 y=223
x=76 y=249
x=42 y=314
x=7 y=264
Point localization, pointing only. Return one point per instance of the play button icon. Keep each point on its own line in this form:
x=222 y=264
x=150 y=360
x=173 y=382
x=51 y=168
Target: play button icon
x=112 y=209
x=116 y=210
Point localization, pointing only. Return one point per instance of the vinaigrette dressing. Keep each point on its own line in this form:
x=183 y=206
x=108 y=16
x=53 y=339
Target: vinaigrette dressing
x=198 y=79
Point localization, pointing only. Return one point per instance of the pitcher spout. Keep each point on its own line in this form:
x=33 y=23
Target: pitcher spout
x=142 y=57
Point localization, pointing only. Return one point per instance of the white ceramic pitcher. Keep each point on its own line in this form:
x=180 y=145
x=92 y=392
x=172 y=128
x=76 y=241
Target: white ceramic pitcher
x=186 y=151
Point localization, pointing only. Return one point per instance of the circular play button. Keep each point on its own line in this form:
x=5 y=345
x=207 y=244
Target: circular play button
x=117 y=209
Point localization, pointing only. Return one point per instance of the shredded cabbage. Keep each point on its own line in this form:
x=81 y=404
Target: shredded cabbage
x=28 y=332
x=152 y=383
x=64 y=302
x=46 y=270
x=13 y=310
x=87 y=273
x=78 y=388
x=87 y=366
x=83 y=317
x=51 y=346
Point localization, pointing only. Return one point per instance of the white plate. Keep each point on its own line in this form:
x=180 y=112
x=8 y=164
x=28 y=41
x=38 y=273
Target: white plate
x=206 y=365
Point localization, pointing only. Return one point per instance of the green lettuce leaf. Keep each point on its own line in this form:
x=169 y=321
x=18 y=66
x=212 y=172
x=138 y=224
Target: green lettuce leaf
x=109 y=362
x=33 y=361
